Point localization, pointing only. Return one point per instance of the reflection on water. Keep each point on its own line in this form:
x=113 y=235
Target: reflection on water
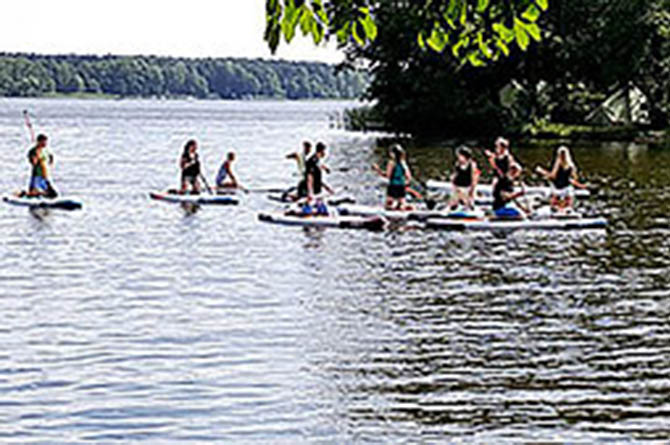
x=130 y=321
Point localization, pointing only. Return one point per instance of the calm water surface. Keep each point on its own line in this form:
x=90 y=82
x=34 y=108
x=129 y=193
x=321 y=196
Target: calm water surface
x=132 y=322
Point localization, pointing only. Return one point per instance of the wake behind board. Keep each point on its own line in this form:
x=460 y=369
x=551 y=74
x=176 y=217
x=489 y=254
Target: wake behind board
x=175 y=198
x=487 y=190
x=340 y=222
x=38 y=202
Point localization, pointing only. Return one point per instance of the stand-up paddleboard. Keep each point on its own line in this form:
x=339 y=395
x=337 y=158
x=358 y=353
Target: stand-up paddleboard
x=38 y=202
x=510 y=225
x=332 y=221
x=203 y=199
x=331 y=200
x=487 y=190
x=409 y=215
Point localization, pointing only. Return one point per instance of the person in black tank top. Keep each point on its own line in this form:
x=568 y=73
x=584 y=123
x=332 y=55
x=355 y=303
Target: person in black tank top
x=190 y=168
x=563 y=177
x=464 y=180
x=500 y=159
x=314 y=184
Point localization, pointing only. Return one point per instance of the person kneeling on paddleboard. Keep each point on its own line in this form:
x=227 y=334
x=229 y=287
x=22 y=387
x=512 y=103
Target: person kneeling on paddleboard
x=563 y=176
x=190 y=168
x=226 y=179
x=40 y=160
x=464 y=180
x=399 y=176
x=505 y=205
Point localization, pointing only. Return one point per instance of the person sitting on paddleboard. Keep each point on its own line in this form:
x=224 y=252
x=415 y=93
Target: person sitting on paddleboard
x=226 y=179
x=501 y=159
x=563 y=176
x=40 y=160
x=464 y=179
x=399 y=176
x=190 y=167
x=504 y=196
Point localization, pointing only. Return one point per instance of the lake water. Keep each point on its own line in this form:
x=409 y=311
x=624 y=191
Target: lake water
x=132 y=322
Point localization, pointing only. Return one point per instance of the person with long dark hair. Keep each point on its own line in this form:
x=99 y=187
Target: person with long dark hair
x=190 y=167
x=399 y=176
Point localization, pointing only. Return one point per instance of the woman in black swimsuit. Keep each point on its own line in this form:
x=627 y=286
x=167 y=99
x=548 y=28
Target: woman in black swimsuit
x=464 y=179
x=190 y=167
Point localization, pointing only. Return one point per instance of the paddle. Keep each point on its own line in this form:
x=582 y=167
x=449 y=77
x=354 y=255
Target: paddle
x=204 y=180
x=29 y=125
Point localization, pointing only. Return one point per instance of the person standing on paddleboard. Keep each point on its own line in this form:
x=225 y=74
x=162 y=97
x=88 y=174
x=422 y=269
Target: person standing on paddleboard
x=300 y=157
x=464 y=180
x=399 y=176
x=501 y=159
x=40 y=160
x=190 y=168
x=563 y=176
x=226 y=179
x=313 y=184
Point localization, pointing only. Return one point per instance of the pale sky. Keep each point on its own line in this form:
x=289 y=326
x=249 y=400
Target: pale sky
x=192 y=28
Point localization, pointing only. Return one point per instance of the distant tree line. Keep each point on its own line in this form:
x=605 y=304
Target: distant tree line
x=32 y=75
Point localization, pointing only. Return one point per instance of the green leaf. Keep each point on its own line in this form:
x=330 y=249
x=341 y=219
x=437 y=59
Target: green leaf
x=306 y=20
x=369 y=26
x=343 y=34
x=506 y=34
x=420 y=40
x=483 y=47
x=356 y=34
x=531 y=14
x=453 y=11
x=522 y=38
x=463 y=42
x=474 y=59
x=464 y=13
x=534 y=31
x=438 y=39
x=482 y=5
x=544 y=4
x=503 y=47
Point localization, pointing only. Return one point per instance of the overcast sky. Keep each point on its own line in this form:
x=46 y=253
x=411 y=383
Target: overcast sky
x=192 y=28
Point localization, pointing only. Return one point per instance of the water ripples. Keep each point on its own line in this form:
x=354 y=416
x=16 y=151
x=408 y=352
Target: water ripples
x=132 y=322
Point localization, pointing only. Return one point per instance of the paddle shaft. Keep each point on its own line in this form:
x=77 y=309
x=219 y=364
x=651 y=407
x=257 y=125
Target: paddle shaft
x=29 y=125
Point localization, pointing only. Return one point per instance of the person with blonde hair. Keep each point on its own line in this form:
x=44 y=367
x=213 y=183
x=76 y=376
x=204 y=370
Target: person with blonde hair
x=563 y=177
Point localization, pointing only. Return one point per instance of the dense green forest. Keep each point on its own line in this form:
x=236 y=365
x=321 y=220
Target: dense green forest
x=30 y=75
x=500 y=66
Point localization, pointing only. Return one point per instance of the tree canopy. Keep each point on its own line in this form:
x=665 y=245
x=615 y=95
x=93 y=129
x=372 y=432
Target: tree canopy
x=138 y=76
x=586 y=50
x=472 y=31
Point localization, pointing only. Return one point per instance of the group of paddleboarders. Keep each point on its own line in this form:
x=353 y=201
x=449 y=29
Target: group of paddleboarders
x=507 y=186
x=191 y=172
x=310 y=187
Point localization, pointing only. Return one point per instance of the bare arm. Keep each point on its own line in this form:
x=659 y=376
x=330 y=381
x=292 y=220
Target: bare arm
x=574 y=180
x=378 y=170
x=475 y=179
